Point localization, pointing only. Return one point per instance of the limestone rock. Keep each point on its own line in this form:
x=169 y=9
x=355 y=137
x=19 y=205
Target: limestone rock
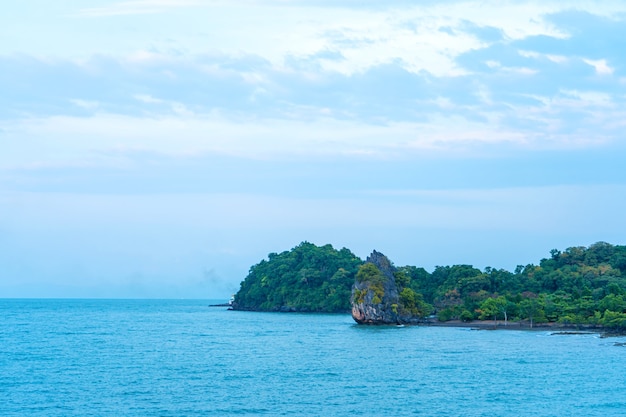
x=374 y=292
x=375 y=298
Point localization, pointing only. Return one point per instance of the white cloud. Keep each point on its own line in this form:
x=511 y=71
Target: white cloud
x=420 y=38
x=587 y=98
x=601 y=66
x=518 y=70
x=67 y=139
x=423 y=38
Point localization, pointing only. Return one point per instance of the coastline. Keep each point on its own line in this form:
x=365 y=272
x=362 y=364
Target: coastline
x=557 y=328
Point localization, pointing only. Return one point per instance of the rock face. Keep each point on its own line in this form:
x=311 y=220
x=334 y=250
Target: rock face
x=374 y=293
x=375 y=298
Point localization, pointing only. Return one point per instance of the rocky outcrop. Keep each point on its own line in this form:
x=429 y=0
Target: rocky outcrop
x=375 y=298
x=374 y=293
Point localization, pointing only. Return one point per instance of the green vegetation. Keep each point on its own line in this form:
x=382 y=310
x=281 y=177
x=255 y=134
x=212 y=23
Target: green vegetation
x=307 y=278
x=412 y=303
x=411 y=299
x=368 y=272
x=579 y=286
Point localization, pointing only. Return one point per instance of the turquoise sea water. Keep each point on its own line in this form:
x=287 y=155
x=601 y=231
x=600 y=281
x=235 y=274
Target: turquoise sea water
x=182 y=358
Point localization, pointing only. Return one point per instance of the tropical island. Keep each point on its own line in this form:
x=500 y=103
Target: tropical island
x=578 y=287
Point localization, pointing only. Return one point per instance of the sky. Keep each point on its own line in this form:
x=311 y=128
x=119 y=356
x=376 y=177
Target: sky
x=160 y=148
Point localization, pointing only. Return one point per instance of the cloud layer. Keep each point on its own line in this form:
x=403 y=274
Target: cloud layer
x=272 y=122
x=398 y=79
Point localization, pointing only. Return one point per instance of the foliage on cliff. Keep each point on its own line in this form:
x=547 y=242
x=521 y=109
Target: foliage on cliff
x=382 y=295
x=306 y=278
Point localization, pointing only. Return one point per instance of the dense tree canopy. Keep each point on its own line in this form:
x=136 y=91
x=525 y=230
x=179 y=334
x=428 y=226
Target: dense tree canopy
x=306 y=278
x=581 y=285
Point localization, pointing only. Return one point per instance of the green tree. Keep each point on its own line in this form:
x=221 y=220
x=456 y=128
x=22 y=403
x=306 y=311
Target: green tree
x=531 y=307
x=306 y=278
x=614 y=320
x=577 y=285
x=413 y=303
x=492 y=307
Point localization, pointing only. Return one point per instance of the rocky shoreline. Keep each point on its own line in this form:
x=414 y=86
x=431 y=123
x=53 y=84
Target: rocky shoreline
x=556 y=328
x=501 y=325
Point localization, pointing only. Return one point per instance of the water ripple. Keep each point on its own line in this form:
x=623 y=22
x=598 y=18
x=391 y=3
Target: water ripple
x=180 y=358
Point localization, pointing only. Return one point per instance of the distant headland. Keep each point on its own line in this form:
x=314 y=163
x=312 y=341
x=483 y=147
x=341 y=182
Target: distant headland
x=580 y=287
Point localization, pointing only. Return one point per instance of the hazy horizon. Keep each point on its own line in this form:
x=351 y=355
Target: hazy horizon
x=159 y=149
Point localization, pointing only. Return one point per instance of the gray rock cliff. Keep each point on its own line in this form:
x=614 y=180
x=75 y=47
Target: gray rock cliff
x=374 y=293
x=375 y=296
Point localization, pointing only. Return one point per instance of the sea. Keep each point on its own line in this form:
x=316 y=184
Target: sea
x=183 y=358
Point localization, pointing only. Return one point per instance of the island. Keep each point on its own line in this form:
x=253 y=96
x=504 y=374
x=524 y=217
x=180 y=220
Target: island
x=580 y=287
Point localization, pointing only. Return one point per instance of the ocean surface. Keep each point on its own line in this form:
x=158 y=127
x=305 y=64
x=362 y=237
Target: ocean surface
x=183 y=358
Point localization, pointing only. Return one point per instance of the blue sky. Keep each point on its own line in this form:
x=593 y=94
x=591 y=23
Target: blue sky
x=159 y=148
